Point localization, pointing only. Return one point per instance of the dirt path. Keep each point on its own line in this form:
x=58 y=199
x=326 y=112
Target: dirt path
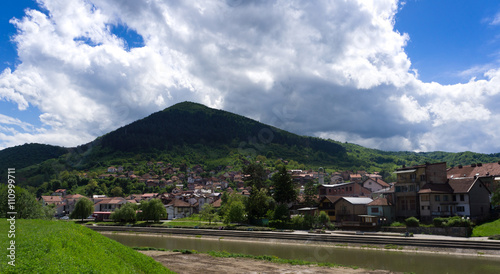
x=204 y=263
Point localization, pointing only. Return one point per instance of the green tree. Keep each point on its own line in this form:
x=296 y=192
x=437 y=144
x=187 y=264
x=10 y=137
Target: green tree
x=235 y=213
x=117 y=191
x=207 y=212
x=258 y=203
x=257 y=175
x=127 y=213
x=83 y=208
x=310 y=194
x=284 y=191
x=26 y=206
x=323 y=218
x=281 y=212
x=153 y=210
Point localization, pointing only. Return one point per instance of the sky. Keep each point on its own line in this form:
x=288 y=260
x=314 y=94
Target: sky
x=418 y=75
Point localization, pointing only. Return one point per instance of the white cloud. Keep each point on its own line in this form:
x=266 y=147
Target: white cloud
x=333 y=68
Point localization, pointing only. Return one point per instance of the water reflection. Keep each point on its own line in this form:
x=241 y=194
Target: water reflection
x=365 y=258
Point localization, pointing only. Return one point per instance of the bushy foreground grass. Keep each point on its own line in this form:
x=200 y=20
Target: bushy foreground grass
x=65 y=247
x=487 y=229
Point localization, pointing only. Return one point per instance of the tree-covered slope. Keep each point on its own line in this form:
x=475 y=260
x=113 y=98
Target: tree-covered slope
x=190 y=123
x=28 y=154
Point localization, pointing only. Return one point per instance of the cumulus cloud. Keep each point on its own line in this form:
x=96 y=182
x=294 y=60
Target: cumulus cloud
x=334 y=69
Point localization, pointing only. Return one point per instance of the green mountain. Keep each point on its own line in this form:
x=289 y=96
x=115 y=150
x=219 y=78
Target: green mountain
x=206 y=134
x=28 y=154
x=190 y=133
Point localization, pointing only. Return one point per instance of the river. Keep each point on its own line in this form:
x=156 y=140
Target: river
x=370 y=258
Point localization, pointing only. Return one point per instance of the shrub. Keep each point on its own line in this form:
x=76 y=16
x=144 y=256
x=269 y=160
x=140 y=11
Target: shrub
x=412 y=222
x=397 y=224
x=455 y=221
x=298 y=222
x=439 y=222
x=279 y=224
x=458 y=221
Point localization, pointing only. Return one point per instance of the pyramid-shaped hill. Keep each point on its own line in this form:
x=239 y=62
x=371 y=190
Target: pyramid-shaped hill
x=191 y=124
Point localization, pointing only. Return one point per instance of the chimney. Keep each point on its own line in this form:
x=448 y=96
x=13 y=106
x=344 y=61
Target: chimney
x=473 y=165
x=479 y=164
x=460 y=166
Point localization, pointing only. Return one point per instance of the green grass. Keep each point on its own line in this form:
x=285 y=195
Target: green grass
x=66 y=247
x=487 y=229
x=391 y=246
x=273 y=259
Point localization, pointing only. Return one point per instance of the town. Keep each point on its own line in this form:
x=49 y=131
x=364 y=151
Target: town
x=349 y=199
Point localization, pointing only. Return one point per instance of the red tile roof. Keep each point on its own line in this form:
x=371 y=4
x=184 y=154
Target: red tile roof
x=436 y=188
x=179 y=203
x=488 y=169
x=52 y=199
x=380 y=202
x=217 y=203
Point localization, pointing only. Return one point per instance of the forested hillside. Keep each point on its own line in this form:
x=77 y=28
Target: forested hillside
x=192 y=134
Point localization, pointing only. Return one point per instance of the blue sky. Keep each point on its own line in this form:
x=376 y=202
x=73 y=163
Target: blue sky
x=414 y=75
x=448 y=37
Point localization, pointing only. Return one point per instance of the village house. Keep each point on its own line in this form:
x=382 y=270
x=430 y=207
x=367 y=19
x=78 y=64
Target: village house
x=470 y=197
x=59 y=192
x=69 y=202
x=410 y=180
x=345 y=189
x=327 y=204
x=489 y=172
x=349 y=208
x=179 y=209
x=55 y=201
x=382 y=208
x=108 y=204
x=375 y=184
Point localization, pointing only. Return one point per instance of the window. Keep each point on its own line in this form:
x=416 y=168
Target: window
x=454 y=198
x=374 y=209
x=460 y=209
x=398 y=189
x=423 y=207
x=331 y=213
x=445 y=198
x=424 y=198
x=462 y=197
x=402 y=204
x=413 y=205
x=422 y=178
x=437 y=198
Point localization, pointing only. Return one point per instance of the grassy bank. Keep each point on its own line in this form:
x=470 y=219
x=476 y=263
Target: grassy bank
x=487 y=229
x=66 y=247
x=273 y=259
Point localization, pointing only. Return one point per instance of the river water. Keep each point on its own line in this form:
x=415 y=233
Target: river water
x=365 y=258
